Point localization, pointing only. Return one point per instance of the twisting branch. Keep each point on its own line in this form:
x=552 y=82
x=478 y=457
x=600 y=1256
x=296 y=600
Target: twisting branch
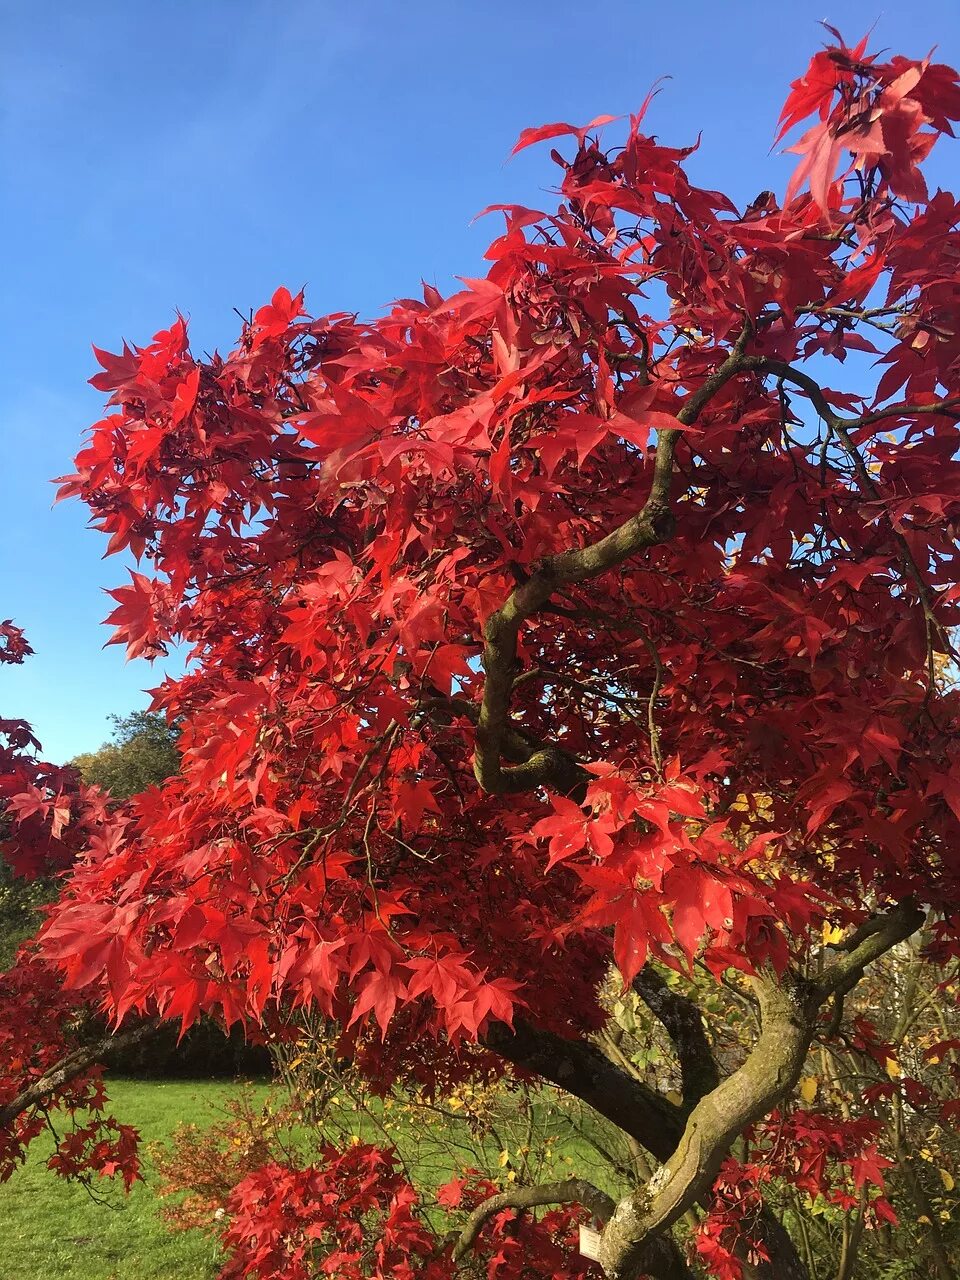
x=789 y=1012
x=580 y=1068
x=652 y=525
x=866 y=945
x=570 y=1191
x=519 y=746
x=662 y=1259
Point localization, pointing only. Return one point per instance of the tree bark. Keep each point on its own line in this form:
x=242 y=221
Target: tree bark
x=579 y=1068
x=692 y=1142
x=662 y=1259
x=790 y=1007
x=73 y=1065
x=772 y=1069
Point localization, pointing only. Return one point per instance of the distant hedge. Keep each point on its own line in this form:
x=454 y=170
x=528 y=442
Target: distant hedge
x=204 y=1053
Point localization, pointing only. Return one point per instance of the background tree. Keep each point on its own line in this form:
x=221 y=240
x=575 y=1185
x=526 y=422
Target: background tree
x=143 y=752
x=571 y=623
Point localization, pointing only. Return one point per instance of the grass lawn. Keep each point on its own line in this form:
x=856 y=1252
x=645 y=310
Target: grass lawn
x=53 y=1230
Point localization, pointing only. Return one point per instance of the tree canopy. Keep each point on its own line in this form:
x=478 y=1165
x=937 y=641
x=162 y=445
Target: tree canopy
x=142 y=753
x=595 y=615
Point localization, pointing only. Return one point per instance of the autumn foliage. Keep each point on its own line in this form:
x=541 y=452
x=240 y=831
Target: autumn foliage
x=596 y=614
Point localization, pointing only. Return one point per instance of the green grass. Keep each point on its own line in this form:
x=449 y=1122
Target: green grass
x=54 y=1229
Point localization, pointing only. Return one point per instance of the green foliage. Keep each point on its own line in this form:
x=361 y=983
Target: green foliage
x=20 y=903
x=142 y=753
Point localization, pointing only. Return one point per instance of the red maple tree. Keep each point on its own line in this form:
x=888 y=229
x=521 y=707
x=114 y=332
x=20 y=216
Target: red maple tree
x=573 y=620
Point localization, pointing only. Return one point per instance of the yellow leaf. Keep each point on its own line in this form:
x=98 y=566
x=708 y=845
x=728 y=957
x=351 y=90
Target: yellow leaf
x=893 y=1068
x=674 y=1097
x=948 y=1180
x=808 y=1088
x=512 y=1175
x=831 y=934
x=504 y=1159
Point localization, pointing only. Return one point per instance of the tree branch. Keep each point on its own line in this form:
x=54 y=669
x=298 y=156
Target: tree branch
x=653 y=524
x=683 y=1023
x=867 y=944
x=789 y=1012
x=771 y=1069
x=571 y=1191
x=841 y=428
x=73 y=1065
x=580 y=1068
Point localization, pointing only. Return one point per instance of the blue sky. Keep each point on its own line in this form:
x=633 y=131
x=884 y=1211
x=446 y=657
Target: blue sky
x=195 y=154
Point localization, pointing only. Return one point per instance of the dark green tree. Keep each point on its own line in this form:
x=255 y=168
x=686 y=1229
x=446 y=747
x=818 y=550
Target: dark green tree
x=142 y=752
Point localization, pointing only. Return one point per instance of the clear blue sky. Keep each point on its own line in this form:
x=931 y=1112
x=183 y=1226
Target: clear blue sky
x=195 y=154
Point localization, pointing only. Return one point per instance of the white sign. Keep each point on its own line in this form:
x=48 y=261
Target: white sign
x=589 y=1243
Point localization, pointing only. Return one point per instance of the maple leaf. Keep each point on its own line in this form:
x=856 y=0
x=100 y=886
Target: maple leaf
x=378 y=992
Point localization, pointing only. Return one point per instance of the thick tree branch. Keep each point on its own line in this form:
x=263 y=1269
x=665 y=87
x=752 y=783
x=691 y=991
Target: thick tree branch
x=662 y=1259
x=581 y=1069
x=683 y=1023
x=771 y=1069
x=789 y=1012
x=571 y=1191
x=73 y=1065
x=517 y=745
x=653 y=524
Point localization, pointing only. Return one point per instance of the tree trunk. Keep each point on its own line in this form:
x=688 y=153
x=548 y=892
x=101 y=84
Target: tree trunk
x=579 y=1068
